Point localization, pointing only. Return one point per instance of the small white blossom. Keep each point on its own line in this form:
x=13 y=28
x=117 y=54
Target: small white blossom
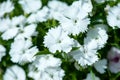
x=49 y=74
x=14 y=73
x=86 y=54
x=57 y=39
x=10 y=28
x=30 y=6
x=57 y=9
x=75 y=20
x=113 y=17
x=4 y=24
x=76 y=25
x=44 y=61
x=18 y=20
x=91 y=76
x=6 y=7
x=39 y=16
x=99 y=34
x=2 y=52
x=22 y=51
x=27 y=31
x=46 y=67
x=101 y=65
x=86 y=5
x=10 y=33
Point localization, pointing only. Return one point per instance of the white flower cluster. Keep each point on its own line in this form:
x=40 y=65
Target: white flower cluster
x=95 y=40
x=75 y=36
x=46 y=67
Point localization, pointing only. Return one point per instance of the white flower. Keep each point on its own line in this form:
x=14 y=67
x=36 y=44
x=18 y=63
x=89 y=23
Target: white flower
x=44 y=61
x=49 y=74
x=22 y=51
x=113 y=17
x=99 y=34
x=86 y=5
x=91 y=76
x=101 y=65
x=86 y=54
x=46 y=67
x=57 y=9
x=27 y=31
x=2 y=52
x=18 y=20
x=39 y=16
x=4 y=24
x=114 y=60
x=76 y=25
x=75 y=20
x=14 y=73
x=9 y=34
x=6 y=7
x=57 y=39
x=30 y=6
x=10 y=28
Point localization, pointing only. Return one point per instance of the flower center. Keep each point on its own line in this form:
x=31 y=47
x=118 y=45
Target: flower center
x=59 y=41
x=116 y=59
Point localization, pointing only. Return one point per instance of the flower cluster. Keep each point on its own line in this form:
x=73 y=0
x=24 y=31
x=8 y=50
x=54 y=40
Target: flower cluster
x=59 y=39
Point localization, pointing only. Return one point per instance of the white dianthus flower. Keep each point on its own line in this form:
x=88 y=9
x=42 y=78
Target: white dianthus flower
x=6 y=7
x=27 y=31
x=57 y=9
x=75 y=20
x=46 y=67
x=91 y=76
x=10 y=33
x=4 y=24
x=14 y=73
x=2 y=52
x=86 y=5
x=75 y=26
x=101 y=65
x=44 y=61
x=15 y=31
x=49 y=74
x=18 y=20
x=99 y=34
x=11 y=28
x=22 y=51
x=39 y=16
x=57 y=39
x=113 y=17
x=30 y=6
x=86 y=54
